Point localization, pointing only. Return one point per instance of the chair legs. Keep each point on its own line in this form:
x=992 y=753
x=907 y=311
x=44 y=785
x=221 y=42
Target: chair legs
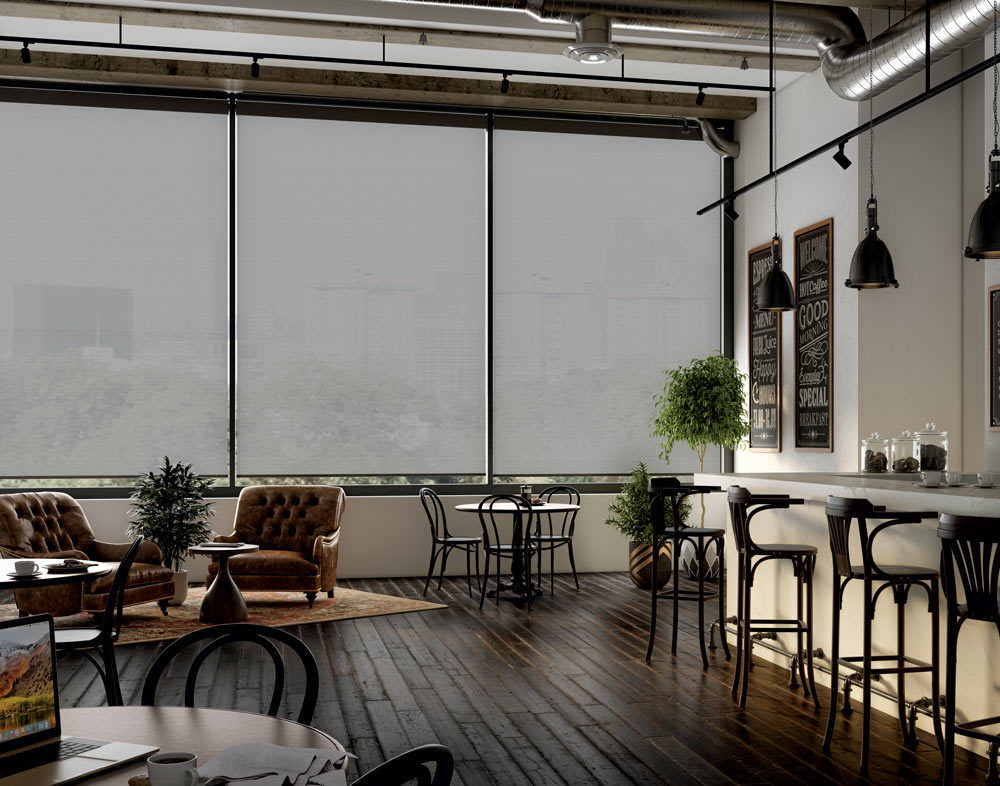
x=107 y=669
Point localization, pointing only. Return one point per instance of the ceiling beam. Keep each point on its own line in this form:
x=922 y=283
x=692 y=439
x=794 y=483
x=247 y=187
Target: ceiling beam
x=394 y=34
x=367 y=85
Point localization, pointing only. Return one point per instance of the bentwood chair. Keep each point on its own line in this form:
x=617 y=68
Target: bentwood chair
x=495 y=512
x=743 y=506
x=559 y=531
x=412 y=766
x=442 y=541
x=841 y=514
x=102 y=638
x=220 y=635
x=970 y=560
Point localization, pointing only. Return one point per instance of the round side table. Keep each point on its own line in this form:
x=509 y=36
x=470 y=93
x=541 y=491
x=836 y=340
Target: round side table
x=223 y=602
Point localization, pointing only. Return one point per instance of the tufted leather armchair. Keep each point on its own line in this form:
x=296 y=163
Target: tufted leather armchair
x=298 y=531
x=51 y=525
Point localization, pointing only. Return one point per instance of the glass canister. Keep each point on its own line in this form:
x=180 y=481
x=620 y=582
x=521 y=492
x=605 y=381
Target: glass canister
x=874 y=454
x=933 y=448
x=904 y=452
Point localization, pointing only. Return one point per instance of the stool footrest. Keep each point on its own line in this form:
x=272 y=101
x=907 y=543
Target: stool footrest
x=688 y=594
x=857 y=662
x=775 y=626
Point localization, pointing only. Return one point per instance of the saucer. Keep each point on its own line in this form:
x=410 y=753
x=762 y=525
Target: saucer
x=991 y=486
x=925 y=486
x=36 y=574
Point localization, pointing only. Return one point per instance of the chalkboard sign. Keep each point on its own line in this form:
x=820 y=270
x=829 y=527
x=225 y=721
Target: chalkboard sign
x=993 y=346
x=765 y=361
x=814 y=337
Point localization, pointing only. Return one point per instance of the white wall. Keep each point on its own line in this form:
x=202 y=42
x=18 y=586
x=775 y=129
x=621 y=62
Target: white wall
x=389 y=536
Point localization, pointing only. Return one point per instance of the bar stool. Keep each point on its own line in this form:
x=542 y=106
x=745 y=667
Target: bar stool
x=743 y=506
x=900 y=579
x=970 y=548
x=701 y=538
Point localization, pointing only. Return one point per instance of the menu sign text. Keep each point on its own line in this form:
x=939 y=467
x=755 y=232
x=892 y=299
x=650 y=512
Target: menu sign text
x=993 y=345
x=765 y=361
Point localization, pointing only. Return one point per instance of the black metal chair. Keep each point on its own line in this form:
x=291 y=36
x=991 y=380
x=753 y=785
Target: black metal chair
x=743 y=506
x=102 y=638
x=413 y=766
x=558 y=533
x=970 y=558
x=520 y=549
x=220 y=635
x=841 y=512
x=442 y=541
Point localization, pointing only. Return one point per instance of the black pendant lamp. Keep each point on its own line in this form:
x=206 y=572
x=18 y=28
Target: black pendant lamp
x=871 y=265
x=774 y=293
x=984 y=232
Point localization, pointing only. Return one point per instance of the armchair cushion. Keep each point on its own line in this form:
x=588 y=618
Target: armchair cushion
x=269 y=561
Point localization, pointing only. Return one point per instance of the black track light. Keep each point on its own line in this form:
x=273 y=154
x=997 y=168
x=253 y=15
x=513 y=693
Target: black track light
x=730 y=211
x=871 y=266
x=255 y=69
x=504 y=85
x=841 y=157
x=984 y=232
x=700 y=98
x=744 y=65
x=775 y=292
x=25 y=53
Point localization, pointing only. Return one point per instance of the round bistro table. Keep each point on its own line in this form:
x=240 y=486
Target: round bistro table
x=45 y=578
x=223 y=602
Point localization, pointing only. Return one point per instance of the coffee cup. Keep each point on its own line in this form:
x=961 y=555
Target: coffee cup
x=931 y=478
x=953 y=478
x=25 y=567
x=173 y=769
x=985 y=479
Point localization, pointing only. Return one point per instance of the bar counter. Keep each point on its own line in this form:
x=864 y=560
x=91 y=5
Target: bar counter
x=909 y=544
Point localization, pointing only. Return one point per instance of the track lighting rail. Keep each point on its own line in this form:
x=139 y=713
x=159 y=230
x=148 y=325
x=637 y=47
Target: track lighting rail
x=836 y=142
x=262 y=56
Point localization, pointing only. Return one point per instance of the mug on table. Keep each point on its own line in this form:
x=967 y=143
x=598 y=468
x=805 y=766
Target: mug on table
x=173 y=769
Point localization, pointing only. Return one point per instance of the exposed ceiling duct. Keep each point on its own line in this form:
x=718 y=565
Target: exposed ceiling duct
x=716 y=142
x=836 y=32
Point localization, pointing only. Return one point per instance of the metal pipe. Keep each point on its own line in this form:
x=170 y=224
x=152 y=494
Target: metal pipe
x=716 y=142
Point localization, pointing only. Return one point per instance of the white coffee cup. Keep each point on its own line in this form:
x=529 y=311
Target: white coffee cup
x=25 y=567
x=953 y=478
x=985 y=479
x=173 y=769
x=931 y=478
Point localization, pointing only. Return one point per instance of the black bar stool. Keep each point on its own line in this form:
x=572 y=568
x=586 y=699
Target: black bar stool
x=743 y=506
x=701 y=538
x=970 y=553
x=900 y=579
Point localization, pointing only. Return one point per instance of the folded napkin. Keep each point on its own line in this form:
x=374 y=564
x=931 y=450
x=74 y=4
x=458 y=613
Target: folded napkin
x=262 y=764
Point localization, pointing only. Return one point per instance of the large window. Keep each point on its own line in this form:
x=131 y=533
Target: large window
x=364 y=296
x=113 y=319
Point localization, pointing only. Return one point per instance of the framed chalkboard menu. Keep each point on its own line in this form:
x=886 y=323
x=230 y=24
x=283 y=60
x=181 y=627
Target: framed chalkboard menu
x=765 y=361
x=814 y=337
x=993 y=347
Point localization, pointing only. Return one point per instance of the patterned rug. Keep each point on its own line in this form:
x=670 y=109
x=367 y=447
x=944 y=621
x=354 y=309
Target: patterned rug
x=277 y=609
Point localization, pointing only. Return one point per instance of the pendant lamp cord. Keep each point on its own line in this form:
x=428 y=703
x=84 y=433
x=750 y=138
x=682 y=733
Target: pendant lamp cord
x=996 y=81
x=774 y=121
x=871 y=102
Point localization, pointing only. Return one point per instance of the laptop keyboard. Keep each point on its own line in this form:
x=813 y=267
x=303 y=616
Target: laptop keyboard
x=64 y=749
x=74 y=747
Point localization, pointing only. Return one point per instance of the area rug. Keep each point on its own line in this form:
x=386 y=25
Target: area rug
x=277 y=609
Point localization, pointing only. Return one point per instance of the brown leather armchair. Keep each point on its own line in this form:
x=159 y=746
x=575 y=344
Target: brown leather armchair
x=298 y=531
x=51 y=525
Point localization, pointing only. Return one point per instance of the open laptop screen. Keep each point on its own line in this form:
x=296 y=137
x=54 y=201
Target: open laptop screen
x=29 y=701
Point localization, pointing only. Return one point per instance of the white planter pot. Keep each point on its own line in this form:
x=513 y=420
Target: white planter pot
x=180 y=588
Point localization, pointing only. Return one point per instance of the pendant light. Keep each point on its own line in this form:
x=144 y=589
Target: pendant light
x=984 y=232
x=871 y=265
x=775 y=291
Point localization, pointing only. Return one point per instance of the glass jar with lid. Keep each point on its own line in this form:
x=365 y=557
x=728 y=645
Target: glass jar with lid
x=874 y=454
x=933 y=448
x=904 y=452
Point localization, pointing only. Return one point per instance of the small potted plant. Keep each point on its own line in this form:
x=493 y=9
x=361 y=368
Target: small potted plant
x=169 y=508
x=702 y=404
x=629 y=514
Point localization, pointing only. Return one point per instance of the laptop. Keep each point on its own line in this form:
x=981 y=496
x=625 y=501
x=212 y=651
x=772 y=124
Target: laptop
x=33 y=751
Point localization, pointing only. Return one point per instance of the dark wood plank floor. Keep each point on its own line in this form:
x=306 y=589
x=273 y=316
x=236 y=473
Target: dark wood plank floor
x=558 y=696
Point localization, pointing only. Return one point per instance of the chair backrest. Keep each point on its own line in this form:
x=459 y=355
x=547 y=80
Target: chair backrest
x=111 y=623
x=434 y=509
x=497 y=508
x=220 y=635
x=840 y=513
x=413 y=766
x=743 y=506
x=970 y=553
x=42 y=522
x=564 y=523
x=288 y=518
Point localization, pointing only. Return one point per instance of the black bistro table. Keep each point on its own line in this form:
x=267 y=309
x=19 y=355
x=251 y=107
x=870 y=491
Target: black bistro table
x=701 y=538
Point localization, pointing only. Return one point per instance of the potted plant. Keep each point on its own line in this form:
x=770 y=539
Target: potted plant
x=702 y=404
x=629 y=514
x=169 y=508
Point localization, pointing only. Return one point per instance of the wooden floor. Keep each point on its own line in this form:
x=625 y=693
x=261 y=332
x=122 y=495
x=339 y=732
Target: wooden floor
x=558 y=696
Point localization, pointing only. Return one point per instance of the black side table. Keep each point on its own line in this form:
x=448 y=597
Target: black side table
x=701 y=538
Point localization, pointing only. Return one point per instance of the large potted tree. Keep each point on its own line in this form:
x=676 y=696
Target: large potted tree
x=630 y=515
x=169 y=508
x=702 y=404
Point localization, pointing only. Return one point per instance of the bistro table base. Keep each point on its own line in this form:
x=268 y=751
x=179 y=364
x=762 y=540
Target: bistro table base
x=518 y=592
